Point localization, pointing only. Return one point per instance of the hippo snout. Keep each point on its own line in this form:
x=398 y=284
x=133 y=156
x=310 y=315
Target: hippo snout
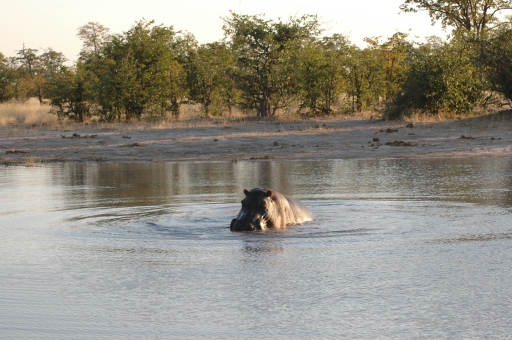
x=247 y=226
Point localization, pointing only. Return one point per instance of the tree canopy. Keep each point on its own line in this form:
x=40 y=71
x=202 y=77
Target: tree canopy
x=267 y=67
x=464 y=15
x=264 y=50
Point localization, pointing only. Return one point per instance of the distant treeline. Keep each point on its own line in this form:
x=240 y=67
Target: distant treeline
x=265 y=66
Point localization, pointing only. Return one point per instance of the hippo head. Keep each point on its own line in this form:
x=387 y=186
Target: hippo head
x=254 y=212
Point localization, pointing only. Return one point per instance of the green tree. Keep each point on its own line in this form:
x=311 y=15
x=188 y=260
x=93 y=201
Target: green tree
x=67 y=91
x=208 y=78
x=464 y=15
x=50 y=63
x=498 y=62
x=34 y=71
x=134 y=72
x=377 y=74
x=264 y=50
x=29 y=72
x=473 y=19
x=395 y=54
x=442 y=77
x=366 y=76
x=181 y=49
x=7 y=79
x=93 y=35
x=321 y=72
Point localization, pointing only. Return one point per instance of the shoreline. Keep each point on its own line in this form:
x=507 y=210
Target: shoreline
x=228 y=141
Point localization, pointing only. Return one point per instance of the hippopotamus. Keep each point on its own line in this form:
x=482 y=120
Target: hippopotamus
x=263 y=209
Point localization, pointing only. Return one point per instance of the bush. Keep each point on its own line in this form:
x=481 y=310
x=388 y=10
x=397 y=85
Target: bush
x=498 y=61
x=442 y=77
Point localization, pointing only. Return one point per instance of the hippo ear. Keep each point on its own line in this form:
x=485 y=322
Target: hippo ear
x=246 y=192
x=269 y=193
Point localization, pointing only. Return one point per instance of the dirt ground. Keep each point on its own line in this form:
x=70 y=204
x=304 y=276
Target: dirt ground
x=224 y=140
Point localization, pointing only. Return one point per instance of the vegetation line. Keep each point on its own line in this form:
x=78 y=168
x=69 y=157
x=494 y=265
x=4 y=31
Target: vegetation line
x=266 y=68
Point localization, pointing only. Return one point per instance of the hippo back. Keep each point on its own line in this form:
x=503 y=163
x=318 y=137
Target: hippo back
x=293 y=211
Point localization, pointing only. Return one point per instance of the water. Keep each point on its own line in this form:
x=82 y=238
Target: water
x=398 y=249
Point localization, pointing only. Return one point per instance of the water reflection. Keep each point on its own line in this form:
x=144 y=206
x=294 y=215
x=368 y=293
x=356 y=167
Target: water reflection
x=473 y=180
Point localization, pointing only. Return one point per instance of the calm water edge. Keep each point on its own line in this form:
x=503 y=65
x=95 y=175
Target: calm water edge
x=398 y=249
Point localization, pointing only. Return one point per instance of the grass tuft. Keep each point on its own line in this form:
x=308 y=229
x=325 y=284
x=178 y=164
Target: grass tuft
x=30 y=114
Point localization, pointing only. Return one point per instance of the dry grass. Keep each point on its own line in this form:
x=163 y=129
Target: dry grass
x=32 y=114
x=422 y=117
x=24 y=116
x=27 y=114
x=490 y=113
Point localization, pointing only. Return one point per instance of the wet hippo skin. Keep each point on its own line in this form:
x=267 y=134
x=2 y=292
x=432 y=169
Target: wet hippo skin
x=264 y=209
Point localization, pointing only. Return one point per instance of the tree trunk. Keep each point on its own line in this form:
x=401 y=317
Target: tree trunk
x=263 y=109
x=230 y=106
x=207 y=105
x=175 y=108
x=40 y=96
x=274 y=110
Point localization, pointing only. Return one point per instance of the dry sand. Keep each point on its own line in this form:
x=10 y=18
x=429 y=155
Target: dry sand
x=223 y=140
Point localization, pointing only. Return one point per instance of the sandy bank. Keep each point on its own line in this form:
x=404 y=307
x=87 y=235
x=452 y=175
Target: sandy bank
x=266 y=139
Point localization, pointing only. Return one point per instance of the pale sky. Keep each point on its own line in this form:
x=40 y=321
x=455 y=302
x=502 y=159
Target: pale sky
x=53 y=23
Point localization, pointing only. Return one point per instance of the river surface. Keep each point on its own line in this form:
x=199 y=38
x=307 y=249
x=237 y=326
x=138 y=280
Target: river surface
x=398 y=249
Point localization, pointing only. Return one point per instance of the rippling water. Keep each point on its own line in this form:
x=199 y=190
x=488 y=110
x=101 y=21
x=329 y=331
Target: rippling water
x=398 y=249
